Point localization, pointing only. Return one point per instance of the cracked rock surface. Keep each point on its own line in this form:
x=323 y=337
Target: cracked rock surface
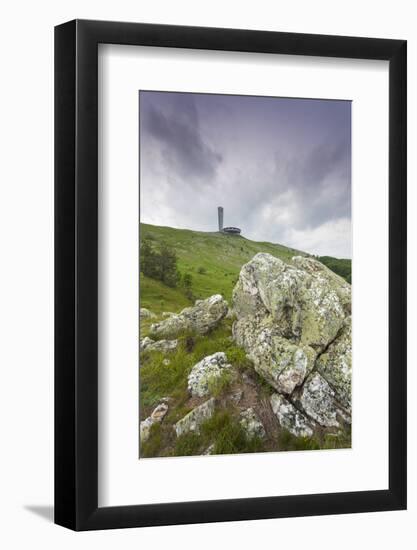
x=294 y=322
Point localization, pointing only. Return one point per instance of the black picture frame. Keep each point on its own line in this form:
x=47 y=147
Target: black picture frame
x=76 y=272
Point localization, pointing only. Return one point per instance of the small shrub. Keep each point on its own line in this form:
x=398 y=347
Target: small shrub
x=202 y=270
x=187 y=280
x=189 y=344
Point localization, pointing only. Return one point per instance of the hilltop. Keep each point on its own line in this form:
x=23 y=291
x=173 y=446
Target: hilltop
x=214 y=261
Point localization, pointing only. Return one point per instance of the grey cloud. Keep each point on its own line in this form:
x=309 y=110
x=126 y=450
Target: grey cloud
x=182 y=144
x=280 y=167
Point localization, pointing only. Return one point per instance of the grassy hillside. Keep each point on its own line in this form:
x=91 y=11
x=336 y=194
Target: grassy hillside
x=213 y=260
x=340 y=266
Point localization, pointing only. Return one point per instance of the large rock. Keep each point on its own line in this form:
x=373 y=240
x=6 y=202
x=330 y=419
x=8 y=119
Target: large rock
x=304 y=305
x=283 y=364
x=212 y=366
x=293 y=320
x=290 y=418
x=318 y=401
x=200 y=318
x=147 y=344
x=193 y=420
x=335 y=365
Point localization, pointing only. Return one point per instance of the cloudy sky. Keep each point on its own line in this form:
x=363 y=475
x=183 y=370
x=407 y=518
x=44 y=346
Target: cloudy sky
x=279 y=167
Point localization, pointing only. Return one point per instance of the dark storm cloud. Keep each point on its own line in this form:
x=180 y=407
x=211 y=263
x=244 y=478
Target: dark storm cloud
x=280 y=167
x=173 y=123
x=312 y=178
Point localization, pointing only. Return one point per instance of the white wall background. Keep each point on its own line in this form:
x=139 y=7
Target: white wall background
x=26 y=273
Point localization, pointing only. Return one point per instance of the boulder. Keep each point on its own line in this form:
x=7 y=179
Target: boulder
x=147 y=344
x=283 y=364
x=159 y=413
x=193 y=420
x=157 y=416
x=145 y=429
x=212 y=366
x=335 y=365
x=294 y=322
x=200 y=318
x=305 y=303
x=289 y=417
x=318 y=400
x=146 y=313
x=251 y=423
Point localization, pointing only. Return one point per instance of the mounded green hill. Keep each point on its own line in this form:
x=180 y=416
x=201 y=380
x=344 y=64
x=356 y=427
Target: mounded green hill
x=213 y=260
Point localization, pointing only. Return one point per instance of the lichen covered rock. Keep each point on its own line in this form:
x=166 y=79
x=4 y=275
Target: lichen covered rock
x=305 y=303
x=289 y=417
x=147 y=344
x=212 y=366
x=318 y=401
x=193 y=420
x=157 y=416
x=335 y=365
x=200 y=318
x=282 y=363
x=251 y=423
x=293 y=320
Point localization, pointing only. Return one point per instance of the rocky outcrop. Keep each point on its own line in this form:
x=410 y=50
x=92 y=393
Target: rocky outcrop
x=200 y=318
x=290 y=418
x=251 y=423
x=293 y=320
x=212 y=366
x=335 y=365
x=147 y=344
x=156 y=417
x=305 y=303
x=282 y=363
x=318 y=401
x=193 y=420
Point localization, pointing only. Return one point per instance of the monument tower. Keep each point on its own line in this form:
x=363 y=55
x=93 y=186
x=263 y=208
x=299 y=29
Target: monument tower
x=220 y=216
x=228 y=230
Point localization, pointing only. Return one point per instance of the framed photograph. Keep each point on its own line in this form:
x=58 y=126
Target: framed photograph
x=230 y=255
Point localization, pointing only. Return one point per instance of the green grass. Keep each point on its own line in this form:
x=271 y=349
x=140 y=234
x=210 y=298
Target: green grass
x=218 y=385
x=158 y=297
x=224 y=432
x=342 y=267
x=158 y=380
x=288 y=442
x=152 y=446
x=214 y=261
